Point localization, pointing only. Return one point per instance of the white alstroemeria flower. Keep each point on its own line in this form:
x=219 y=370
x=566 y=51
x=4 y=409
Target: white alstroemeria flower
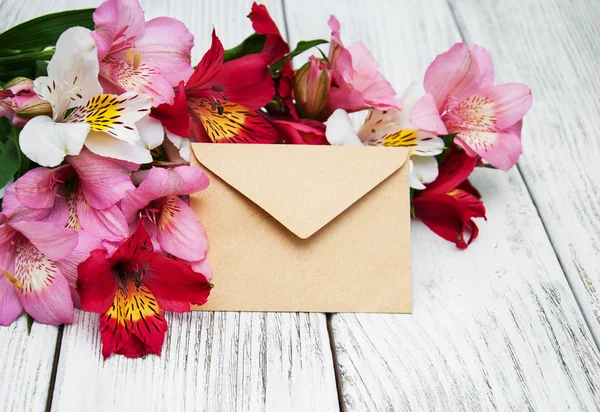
x=390 y=128
x=108 y=125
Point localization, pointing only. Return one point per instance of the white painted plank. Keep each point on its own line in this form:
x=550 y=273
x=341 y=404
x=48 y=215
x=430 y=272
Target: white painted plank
x=26 y=365
x=495 y=327
x=211 y=361
x=553 y=46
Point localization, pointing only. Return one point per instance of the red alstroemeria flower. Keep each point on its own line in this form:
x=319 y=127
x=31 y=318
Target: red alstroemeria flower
x=131 y=288
x=300 y=131
x=262 y=23
x=276 y=47
x=449 y=204
x=223 y=99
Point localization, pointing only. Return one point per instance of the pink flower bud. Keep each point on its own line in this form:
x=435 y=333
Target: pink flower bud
x=19 y=103
x=312 y=84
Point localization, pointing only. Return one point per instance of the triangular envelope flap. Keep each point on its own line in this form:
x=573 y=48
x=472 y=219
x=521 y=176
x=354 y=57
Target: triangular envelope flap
x=304 y=187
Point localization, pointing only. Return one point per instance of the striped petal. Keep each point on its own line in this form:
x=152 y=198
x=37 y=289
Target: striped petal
x=115 y=115
x=134 y=325
x=43 y=290
x=227 y=122
x=142 y=79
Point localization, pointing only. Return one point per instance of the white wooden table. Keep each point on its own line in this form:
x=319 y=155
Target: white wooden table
x=511 y=324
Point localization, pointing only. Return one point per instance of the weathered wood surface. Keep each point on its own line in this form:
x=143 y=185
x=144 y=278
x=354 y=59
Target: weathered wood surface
x=26 y=363
x=213 y=362
x=553 y=46
x=495 y=327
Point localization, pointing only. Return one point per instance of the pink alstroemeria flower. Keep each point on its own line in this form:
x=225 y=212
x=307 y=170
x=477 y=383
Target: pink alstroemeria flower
x=169 y=220
x=146 y=57
x=357 y=83
x=98 y=184
x=32 y=255
x=461 y=98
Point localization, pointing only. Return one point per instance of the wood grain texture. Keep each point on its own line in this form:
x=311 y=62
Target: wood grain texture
x=212 y=361
x=553 y=47
x=26 y=365
x=495 y=327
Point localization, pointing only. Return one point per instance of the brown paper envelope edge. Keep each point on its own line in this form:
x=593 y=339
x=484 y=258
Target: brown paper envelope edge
x=405 y=306
x=336 y=189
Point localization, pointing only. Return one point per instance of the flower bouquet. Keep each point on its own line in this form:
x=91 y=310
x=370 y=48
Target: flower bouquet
x=97 y=112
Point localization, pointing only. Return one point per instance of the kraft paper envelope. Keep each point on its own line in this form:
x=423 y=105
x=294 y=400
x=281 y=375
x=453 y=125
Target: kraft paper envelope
x=296 y=228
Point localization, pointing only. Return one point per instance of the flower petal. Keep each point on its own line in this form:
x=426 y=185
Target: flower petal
x=511 y=101
x=340 y=131
x=426 y=116
x=175 y=118
x=262 y=23
x=102 y=181
x=166 y=46
x=105 y=145
x=455 y=169
x=202 y=266
x=17 y=211
x=143 y=80
x=180 y=233
x=152 y=133
x=500 y=149
x=144 y=321
x=235 y=123
x=209 y=66
x=453 y=73
x=72 y=72
x=86 y=242
x=117 y=24
x=47 y=143
x=52 y=240
x=36 y=188
x=176 y=293
x=181 y=144
x=179 y=181
x=447 y=217
x=425 y=170
x=107 y=224
x=43 y=290
x=10 y=306
x=246 y=81
x=115 y=115
x=96 y=285
x=485 y=66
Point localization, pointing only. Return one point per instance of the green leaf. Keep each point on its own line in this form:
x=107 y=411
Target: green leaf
x=9 y=162
x=30 y=322
x=300 y=48
x=27 y=57
x=252 y=45
x=448 y=142
x=44 y=31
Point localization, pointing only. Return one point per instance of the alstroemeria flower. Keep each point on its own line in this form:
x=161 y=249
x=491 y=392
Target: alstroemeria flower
x=98 y=184
x=461 y=98
x=145 y=57
x=276 y=47
x=357 y=83
x=111 y=126
x=31 y=278
x=450 y=203
x=172 y=224
x=390 y=128
x=131 y=288
x=223 y=99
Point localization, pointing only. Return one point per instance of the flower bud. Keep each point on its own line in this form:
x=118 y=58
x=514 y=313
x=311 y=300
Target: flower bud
x=312 y=84
x=20 y=103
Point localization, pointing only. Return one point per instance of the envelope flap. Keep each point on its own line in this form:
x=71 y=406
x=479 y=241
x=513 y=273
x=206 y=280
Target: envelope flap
x=304 y=187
